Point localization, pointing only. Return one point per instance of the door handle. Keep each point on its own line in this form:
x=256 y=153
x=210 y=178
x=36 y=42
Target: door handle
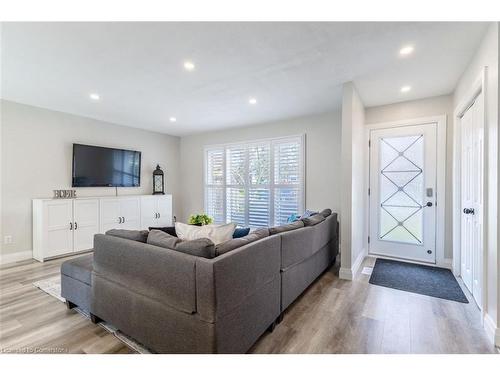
x=468 y=211
x=156 y=215
x=428 y=204
x=123 y=218
x=70 y=226
x=119 y=219
x=159 y=215
x=76 y=225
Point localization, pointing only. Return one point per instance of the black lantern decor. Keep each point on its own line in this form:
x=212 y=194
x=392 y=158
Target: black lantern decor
x=158 y=181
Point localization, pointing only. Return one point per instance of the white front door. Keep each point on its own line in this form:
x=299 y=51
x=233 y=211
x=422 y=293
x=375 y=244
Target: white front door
x=472 y=130
x=403 y=192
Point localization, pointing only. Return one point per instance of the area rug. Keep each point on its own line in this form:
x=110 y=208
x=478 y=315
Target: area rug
x=52 y=286
x=416 y=278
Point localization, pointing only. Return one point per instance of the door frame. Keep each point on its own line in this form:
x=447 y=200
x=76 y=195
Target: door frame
x=440 y=121
x=477 y=88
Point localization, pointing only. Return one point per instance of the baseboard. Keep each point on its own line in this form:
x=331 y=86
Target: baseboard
x=16 y=257
x=345 y=273
x=446 y=263
x=492 y=330
x=349 y=273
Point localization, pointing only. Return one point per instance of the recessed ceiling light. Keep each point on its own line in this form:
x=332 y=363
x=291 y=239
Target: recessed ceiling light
x=406 y=50
x=94 y=96
x=252 y=101
x=173 y=119
x=189 y=66
x=405 y=88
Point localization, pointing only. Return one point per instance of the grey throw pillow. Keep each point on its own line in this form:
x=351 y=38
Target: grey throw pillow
x=201 y=247
x=285 y=228
x=313 y=220
x=134 y=235
x=235 y=243
x=326 y=212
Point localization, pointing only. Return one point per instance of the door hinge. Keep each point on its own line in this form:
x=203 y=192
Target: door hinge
x=368 y=239
x=368 y=191
x=369 y=143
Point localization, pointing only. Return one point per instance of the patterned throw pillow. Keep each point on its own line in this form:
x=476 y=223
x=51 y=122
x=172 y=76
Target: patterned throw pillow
x=215 y=233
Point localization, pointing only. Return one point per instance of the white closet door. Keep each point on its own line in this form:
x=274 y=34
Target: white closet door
x=472 y=126
x=58 y=227
x=164 y=210
x=86 y=223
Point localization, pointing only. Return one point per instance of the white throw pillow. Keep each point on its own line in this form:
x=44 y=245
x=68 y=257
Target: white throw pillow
x=216 y=233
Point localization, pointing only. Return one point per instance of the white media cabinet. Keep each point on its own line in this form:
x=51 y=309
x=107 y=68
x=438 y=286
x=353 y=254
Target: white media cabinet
x=67 y=226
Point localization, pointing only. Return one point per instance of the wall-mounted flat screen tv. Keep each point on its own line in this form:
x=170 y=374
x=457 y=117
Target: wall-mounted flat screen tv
x=103 y=166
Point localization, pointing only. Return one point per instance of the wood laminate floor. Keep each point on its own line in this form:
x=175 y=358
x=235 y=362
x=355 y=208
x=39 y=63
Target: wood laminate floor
x=332 y=316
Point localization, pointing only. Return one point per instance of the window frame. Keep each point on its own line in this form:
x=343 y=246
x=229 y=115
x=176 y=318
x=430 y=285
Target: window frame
x=272 y=185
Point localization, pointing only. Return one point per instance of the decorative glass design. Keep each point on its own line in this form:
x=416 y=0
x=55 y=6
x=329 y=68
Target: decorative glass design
x=401 y=189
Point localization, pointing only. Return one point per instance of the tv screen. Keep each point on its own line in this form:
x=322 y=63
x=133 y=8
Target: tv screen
x=102 y=166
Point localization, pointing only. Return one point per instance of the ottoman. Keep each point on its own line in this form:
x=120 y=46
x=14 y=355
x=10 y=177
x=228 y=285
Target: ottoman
x=76 y=281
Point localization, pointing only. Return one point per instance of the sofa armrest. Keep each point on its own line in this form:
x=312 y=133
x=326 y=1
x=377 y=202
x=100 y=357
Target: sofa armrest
x=164 y=275
x=225 y=282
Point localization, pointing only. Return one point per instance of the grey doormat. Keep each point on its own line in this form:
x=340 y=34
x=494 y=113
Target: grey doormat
x=417 y=278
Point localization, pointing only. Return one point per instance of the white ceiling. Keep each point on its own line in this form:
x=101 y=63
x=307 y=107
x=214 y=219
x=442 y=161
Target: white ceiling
x=293 y=69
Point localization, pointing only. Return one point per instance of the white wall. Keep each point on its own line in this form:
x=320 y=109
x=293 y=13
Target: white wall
x=354 y=197
x=37 y=154
x=487 y=56
x=322 y=158
x=436 y=106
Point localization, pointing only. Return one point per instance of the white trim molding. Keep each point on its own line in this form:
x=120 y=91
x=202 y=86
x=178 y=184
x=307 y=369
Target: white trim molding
x=16 y=257
x=440 y=174
x=349 y=273
x=492 y=331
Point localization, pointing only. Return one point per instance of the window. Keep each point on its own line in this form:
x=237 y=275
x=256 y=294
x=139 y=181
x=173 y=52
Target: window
x=255 y=184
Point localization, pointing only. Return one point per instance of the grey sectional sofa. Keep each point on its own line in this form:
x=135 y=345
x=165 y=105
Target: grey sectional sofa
x=174 y=302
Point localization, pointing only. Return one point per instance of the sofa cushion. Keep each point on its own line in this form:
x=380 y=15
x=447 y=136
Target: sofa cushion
x=79 y=268
x=235 y=243
x=168 y=230
x=285 y=228
x=326 y=212
x=215 y=233
x=313 y=220
x=134 y=235
x=241 y=232
x=201 y=247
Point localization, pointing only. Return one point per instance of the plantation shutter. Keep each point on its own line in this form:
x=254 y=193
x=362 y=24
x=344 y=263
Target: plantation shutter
x=287 y=179
x=214 y=190
x=236 y=193
x=259 y=193
x=256 y=184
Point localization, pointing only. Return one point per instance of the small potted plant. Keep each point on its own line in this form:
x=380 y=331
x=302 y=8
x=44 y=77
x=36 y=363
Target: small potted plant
x=200 y=219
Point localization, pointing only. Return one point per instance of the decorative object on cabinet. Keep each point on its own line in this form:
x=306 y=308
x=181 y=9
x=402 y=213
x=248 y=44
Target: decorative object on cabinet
x=64 y=194
x=158 y=181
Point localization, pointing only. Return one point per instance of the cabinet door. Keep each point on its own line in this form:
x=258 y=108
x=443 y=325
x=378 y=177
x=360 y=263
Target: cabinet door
x=58 y=218
x=110 y=214
x=149 y=212
x=86 y=223
x=130 y=210
x=165 y=211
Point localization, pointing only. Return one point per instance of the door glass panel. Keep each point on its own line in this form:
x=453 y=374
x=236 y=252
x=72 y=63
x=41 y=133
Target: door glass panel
x=401 y=189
